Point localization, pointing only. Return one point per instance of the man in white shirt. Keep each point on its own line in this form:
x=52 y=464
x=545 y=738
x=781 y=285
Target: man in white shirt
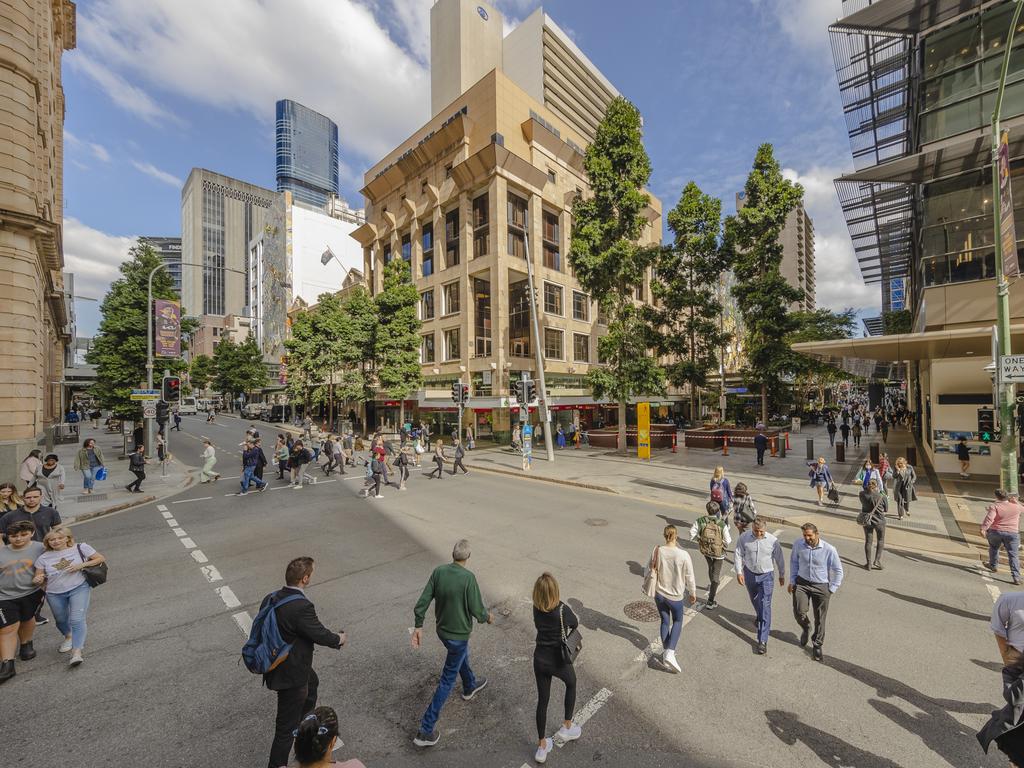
x=758 y=555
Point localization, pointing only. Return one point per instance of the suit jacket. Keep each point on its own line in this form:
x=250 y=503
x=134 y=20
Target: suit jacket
x=300 y=626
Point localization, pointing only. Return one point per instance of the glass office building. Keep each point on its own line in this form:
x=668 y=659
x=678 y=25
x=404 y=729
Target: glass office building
x=307 y=153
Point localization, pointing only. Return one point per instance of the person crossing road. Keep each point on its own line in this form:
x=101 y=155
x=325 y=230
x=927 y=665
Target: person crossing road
x=758 y=556
x=815 y=573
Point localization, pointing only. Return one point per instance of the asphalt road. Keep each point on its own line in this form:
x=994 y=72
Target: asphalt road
x=910 y=671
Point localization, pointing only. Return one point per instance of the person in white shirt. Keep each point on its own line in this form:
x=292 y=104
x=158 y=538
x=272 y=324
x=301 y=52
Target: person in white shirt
x=674 y=580
x=758 y=555
x=209 y=457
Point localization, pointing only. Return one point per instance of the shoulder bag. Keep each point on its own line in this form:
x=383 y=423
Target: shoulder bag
x=866 y=518
x=650 y=584
x=572 y=643
x=94 y=574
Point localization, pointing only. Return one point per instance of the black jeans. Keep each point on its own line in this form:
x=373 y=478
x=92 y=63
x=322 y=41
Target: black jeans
x=282 y=467
x=811 y=594
x=292 y=705
x=439 y=469
x=140 y=475
x=459 y=465
x=760 y=456
x=547 y=663
x=869 y=535
x=714 y=575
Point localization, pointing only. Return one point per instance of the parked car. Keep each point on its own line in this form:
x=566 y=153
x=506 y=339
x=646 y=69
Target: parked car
x=254 y=410
x=188 y=406
x=280 y=413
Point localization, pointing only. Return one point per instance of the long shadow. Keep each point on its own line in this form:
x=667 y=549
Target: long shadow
x=937 y=606
x=829 y=748
x=670 y=487
x=991 y=666
x=597 y=621
x=742 y=624
x=635 y=568
x=919 y=558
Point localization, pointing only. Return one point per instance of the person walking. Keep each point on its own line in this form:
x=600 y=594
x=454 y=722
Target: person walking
x=209 y=457
x=874 y=506
x=88 y=459
x=459 y=452
x=1004 y=727
x=517 y=438
x=884 y=472
x=758 y=556
x=377 y=475
x=721 y=490
x=50 y=479
x=963 y=455
x=60 y=567
x=743 y=510
x=294 y=680
x=560 y=437
x=402 y=462
x=883 y=427
x=821 y=478
x=137 y=466
x=10 y=499
x=250 y=459
x=815 y=573
x=316 y=738
x=760 y=445
x=456 y=596
x=177 y=420
x=42 y=518
x=20 y=597
x=711 y=532
x=29 y=465
x=674 y=579
x=299 y=459
x=844 y=430
x=903 y=491
x=866 y=474
x=261 y=457
x=1001 y=527
x=857 y=432
x=438 y=460
x=281 y=452
x=831 y=429
x=554 y=621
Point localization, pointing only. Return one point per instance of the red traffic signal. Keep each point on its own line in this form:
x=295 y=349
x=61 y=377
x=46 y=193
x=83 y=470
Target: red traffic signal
x=171 y=390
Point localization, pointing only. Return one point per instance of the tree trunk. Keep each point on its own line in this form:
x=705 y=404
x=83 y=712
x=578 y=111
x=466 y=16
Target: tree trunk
x=764 y=404
x=621 y=438
x=401 y=414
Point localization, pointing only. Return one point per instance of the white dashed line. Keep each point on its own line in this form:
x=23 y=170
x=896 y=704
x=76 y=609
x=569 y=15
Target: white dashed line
x=161 y=508
x=198 y=556
x=179 y=532
x=188 y=543
x=591 y=707
x=188 y=501
x=211 y=573
x=172 y=522
x=167 y=515
x=228 y=597
x=244 y=622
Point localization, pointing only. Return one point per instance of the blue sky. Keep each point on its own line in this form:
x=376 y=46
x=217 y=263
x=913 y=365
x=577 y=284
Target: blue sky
x=156 y=88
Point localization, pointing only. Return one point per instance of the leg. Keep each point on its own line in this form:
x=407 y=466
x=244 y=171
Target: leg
x=567 y=674
x=819 y=600
x=801 y=604
x=677 y=623
x=869 y=535
x=466 y=673
x=542 y=673
x=9 y=640
x=59 y=607
x=1012 y=543
x=767 y=588
x=457 y=650
x=665 y=611
x=993 y=549
x=289 y=712
x=880 y=548
x=78 y=608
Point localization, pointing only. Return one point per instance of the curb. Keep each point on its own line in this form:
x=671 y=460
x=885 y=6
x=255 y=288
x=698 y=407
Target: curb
x=556 y=481
x=126 y=505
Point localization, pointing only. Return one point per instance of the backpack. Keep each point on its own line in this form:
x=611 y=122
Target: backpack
x=710 y=540
x=266 y=649
x=716 y=494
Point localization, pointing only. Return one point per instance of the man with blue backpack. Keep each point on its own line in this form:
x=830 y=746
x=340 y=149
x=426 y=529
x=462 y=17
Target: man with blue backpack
x=280 y=647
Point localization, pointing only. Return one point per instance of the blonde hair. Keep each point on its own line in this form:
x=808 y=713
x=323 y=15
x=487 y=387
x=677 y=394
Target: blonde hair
x=718 y=474
x=60 y=530
x=901 y=462
x=821 y=460
x=545 y=593
x=670 y=533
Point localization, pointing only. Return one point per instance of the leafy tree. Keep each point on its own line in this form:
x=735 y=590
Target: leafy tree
x=609 y=261
x=897 y=321
x=762 y=293
x=303 y=362
x=688 y=313
x=819 y=325
x=398 y=341
x=119 y=349
x=359 y=347
x=239 y=367
x=201 y=372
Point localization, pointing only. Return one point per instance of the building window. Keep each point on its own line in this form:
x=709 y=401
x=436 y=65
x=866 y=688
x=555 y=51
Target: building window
x=640 y=290
x=552 y=299
x=602 y=357
x=427 y=349
x=407 y=248
x=516 y=226
x=481 y=227
x=451 y=238
x=387 y=254
x=519 y=319
x=427 y=305
x=450 y=293
x=552 y=344
x=602 y=315
x=448 y=171
x=580 y=306
x=551 y=176
x=581 y=348
x=552 y=250
x=451 y=344
x=428 y=250
x=482 y=318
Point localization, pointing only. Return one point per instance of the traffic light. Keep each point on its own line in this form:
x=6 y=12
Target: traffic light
x=464 y=388
x=162 y=409
x=531 y=391
x=171 y=391
x=517 y=391
x=986 y=424
x=456 y=392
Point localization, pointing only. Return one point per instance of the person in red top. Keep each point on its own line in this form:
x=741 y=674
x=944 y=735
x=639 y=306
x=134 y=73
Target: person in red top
x=1001 y=527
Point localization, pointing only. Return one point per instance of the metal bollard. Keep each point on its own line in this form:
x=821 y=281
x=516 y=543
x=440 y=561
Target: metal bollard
x=840 y=452
x=675 y=437
x=783 y=445
x=874 y=452
x=810 y=449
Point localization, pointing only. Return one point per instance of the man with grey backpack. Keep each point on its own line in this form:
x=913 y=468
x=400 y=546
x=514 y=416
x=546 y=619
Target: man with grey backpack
x=712 y=536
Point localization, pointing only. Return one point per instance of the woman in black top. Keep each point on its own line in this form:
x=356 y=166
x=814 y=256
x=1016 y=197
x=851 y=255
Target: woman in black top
x=553 y=620
x=873 y=508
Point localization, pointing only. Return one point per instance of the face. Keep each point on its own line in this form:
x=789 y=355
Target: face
x=50 y=463
x=20 y=540
x=32 y=499
x=58 y=541
x=758 y=533
x=89 y=443
x=811 y=537
x=5 y=493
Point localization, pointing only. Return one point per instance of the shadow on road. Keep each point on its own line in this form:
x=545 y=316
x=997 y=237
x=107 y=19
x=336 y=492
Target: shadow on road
x=597 y=621
x=830 y=749
x=937 y=606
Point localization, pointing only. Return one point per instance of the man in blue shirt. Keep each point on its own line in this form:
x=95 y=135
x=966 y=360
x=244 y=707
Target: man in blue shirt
x=758 y=555
x=815 y=573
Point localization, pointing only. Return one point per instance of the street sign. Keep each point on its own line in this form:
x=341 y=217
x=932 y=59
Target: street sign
x=149 y=410
x=527 y=446
x=1011 y=369
x=643 y=430
x=145 y=394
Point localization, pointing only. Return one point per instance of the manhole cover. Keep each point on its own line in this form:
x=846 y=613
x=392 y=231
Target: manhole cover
x=642 y=610
x=596 y=521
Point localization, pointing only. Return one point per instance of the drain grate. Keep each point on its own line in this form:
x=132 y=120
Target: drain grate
x=597 y=522
x=643 y=611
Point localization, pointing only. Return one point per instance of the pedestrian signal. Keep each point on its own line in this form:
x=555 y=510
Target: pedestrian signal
x=171 y=390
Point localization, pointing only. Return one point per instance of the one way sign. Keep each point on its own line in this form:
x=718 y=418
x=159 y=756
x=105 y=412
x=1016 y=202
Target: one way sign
x=1011 y=369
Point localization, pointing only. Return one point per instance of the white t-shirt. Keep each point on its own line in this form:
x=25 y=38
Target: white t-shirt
x=55 y=563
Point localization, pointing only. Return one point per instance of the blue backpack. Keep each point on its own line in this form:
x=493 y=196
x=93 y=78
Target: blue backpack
x=266 y=649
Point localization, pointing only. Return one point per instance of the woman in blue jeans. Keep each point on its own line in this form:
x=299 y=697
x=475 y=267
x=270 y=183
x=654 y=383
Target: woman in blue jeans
x=60 y=569
x=88 y=459
x=674 y=579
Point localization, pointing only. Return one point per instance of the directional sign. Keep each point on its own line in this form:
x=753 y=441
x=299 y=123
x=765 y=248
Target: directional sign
x=145 y=394
x=1011 y=368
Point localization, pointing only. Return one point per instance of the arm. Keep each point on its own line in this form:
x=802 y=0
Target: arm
x=737 y=561
x=990 y=517
x=420 y=611
x=835 y=569
x=691 y=583
x=309 y=626
x=570 y=618
x=476 y=604
x=794 y=564
x=1003 y=646
x=693 y=529
x=780 y=561
x=727 y=537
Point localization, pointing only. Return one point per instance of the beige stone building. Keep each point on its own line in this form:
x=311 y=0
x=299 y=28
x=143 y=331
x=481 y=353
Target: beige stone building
x=459 y=198
x=34 y=315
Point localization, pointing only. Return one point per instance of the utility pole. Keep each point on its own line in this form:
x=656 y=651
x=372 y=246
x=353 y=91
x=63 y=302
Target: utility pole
x=545 y=413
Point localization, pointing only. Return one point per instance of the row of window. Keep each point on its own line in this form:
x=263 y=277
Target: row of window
x=553 y=346
x=552 y=301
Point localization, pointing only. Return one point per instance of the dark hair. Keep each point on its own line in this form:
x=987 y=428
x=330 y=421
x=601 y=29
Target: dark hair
x=22 y=526
x=809 y=527
x=53 y=456
x=1001 y=494
x=85 y=443
x=34 y=452
x=314 y=735
x=713 y=508
x=31 y=489
x=297 y=570
x=740 y=489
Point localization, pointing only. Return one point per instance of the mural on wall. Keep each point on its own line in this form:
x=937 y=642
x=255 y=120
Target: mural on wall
x=275 y=284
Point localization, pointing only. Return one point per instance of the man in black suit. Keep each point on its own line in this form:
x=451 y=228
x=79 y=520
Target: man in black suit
x=294 y=679
x=760 y=445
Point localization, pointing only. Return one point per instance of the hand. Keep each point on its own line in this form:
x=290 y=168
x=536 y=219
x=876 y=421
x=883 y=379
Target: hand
x=739 y=579
x=417 y=637
x=791 y=589
x=344 y=637
x=693 y=600
x=38 y=579
x=490 y=617
x=782 y=581
x=74 y=568
x=60 y=486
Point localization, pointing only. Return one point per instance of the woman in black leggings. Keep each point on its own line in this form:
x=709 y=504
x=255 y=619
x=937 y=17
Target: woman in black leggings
x=553 y=620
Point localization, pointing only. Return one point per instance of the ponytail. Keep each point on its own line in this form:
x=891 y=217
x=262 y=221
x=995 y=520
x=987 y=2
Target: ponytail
x=314 y=735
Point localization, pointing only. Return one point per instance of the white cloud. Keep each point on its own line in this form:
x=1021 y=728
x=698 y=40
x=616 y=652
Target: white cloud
x=99 y=152
x=162 y=176
x=121 y=92
x=93 y=256
x=805 y=22
x=71 y=141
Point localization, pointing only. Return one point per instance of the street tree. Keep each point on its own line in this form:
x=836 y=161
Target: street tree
x=239 y=368
x=809 y=373
x=688 y=311
x=303 y=368
x=398 y=339
x=762 y=293
x=201 y=372
x=897 y=321
x=358 y=348
x=609 y=261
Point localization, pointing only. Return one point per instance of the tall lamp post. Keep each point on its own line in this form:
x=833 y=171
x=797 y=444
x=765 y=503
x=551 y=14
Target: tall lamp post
x=1005 y=390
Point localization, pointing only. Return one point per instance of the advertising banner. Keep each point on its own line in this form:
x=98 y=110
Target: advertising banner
x=643 y=430
x=167 y=333
x=1007 y=235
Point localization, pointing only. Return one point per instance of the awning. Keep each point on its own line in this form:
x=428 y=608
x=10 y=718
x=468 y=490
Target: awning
x=908 y=17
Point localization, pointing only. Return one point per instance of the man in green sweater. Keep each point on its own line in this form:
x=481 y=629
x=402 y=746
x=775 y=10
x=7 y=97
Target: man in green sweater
x=457 y=602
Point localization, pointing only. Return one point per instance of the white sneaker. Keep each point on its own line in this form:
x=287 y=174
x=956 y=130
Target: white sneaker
x=76 y=659
x=379 y=496
x=569 y=734
x=65 y=646
x=670 y=660
x=542 y=752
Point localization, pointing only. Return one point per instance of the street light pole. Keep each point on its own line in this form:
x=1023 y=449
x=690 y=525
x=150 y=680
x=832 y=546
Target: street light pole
x=1005 y=390
x=545 y=412
x=150 y=437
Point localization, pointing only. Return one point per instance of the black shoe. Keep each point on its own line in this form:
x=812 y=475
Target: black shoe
x=481 y=683
x=6 y=670
x=710 y=605
x=40 y=620
x=427 y=739
x=818 y=656
x=762 y=648
x=1016 y=581
x=805 y=635
x=27 y=651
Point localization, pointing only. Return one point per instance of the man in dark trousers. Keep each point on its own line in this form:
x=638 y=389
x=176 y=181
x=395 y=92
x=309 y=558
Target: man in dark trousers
x=459 y=453
x=294 y=679
x=844 y=429
x=760 y=445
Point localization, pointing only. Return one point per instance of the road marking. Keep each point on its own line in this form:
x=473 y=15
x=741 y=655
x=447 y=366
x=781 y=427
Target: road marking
x=244 y=622
x=186 y=501
x=199 y=556
x=172 y=522
x=166 y=515
x=211 y=573
x=591 y=707
x=228 y=597
x=188 y=543
x=179 y=532
x=993 y=591
x=161 y=508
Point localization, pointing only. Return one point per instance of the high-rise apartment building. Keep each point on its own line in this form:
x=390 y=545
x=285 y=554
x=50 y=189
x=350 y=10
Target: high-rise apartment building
x=35 y=313
x=797 y=265
x=219 y=217
x=307 y=153
x=169 y=251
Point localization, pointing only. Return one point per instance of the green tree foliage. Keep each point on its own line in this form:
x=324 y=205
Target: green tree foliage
x=762 y=293
x=608 y=260
x=819 y=325
x=238 y=367
x=398 y=339
x=200 y=372
x=119 y=349
x=359 y=347
x=688 y=313
x=897 y=321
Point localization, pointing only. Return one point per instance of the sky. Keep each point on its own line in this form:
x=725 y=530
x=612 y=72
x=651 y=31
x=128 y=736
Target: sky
x=156 y=88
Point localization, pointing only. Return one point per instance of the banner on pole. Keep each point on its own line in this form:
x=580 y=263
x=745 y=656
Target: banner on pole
x=1007 y=235
x=168 y=328
x=643 y=430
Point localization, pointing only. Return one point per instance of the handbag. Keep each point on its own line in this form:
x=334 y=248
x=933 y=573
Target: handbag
x=94 y=574
x=101 y=473
x=865 y=518
x=833 y=495
x=572 y=643
x=650 y=584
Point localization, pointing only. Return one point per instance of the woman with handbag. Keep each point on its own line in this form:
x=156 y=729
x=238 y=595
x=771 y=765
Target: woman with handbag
x=873 y=506
x=438 y=460
x=669 y=577
x=821 y=478
x=88 y=461
x=558 y=642
x=903 y=487
x=69 y=571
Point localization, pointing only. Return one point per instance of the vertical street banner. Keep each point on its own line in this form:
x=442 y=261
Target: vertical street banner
x=643 y=430
x=1007 y=235
x=167 y=328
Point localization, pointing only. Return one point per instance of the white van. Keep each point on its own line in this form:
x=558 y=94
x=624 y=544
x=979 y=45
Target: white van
x=188 y=406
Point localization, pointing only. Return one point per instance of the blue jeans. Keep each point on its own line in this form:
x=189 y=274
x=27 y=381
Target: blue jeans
x=456 y=663
x=69 y=610
x=669 y=609
x=88 y=478
x=760 y=587
x=249 y=477
x=1011 y=541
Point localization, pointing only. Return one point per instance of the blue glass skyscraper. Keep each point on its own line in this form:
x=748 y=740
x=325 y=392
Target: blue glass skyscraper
x=307 y=153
